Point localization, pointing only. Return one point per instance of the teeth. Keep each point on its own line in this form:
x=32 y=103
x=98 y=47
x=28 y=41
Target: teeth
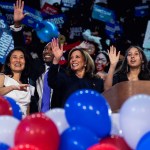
x=74 y=65
x=17 y=65
x=47 y=56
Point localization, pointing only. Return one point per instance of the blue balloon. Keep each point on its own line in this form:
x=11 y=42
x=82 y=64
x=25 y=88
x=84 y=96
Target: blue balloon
x=77 y=138
x=4 y=146
x=144 y=142
x=46 y=31
x=89 y=109
x=17 y=113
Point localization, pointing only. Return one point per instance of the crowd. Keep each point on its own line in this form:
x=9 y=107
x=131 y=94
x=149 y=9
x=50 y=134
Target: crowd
x=33 y=70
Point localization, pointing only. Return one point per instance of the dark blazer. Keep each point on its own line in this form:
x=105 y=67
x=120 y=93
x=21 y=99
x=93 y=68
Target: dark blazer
x=64 y=85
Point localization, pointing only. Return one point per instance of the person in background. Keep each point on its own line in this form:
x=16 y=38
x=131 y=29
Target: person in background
x=133 y=68
x=78 y=75
x=102 y=64
x=14 y=81
x=91 y=47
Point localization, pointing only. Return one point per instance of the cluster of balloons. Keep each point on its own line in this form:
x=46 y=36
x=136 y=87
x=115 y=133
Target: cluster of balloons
x=85 y=123
x=9 y=106
x=135 y=121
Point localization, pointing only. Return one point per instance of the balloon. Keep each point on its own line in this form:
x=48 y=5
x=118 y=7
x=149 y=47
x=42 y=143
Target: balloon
x=144 y=142
x=5 y=107
x=46 y=31
x=37 y=129
x=24 y=147
x=116 y=141
x=135 y=119
x=77 y=138
x=115 y=128
x=17 y=113
x=89 y=109
x=103 y=147
x=8 y=125
x=57 y=115
x=4 y=146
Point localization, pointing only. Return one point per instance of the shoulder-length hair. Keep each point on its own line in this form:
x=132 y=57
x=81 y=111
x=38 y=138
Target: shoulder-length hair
x=25 y=73
x=125 y=68
x=90 y=66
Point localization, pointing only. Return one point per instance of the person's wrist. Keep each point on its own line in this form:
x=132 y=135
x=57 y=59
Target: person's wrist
x=56 y=61
x=17 y=25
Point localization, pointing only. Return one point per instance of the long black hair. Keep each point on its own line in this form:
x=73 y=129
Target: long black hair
x=25 y=73
x=125 y=68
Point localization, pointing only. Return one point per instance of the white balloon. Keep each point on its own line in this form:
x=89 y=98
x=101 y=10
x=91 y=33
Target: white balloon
x=8 y=125
x=115 y=128
x=57 y=115
x=135 y=118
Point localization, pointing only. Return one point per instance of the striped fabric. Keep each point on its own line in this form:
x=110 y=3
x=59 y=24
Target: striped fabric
x=39 y=86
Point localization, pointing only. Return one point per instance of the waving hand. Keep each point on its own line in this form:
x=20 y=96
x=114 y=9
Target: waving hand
x=57 y=50
x=113 y=55
x=18 y=11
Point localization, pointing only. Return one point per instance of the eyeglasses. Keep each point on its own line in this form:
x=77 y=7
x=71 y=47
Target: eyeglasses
x=101 y=59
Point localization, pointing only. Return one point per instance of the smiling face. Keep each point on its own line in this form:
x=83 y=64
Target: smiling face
x=17 y=61
x=47 y=53
x=100 y=62
x=77 y=61
x=134 y=58
x=27 y=37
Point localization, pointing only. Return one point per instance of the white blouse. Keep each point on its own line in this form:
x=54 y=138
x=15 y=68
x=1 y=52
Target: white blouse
x=21 y=97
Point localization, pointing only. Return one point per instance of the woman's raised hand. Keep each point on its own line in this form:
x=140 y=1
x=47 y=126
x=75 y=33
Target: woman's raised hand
x=113 y=55
x=57 y=50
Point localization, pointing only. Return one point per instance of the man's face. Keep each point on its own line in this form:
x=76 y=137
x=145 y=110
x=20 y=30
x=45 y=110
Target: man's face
x=47 y=53
x=27 y=37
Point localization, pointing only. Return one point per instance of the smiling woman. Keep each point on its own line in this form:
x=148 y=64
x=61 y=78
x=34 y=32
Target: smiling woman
x=78 y=75
x=14 y=79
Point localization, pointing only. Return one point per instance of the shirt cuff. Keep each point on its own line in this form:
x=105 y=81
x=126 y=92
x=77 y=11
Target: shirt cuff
x=13 y=28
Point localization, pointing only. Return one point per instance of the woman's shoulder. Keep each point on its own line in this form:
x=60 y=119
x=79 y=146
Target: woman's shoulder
x=2 y=76
x=119 y=77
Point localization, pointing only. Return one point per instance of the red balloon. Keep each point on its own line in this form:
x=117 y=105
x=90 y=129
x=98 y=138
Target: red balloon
x=5 y=107
x=116 y=141
x=37 y=129
x=103 y=147
x=24 y=147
